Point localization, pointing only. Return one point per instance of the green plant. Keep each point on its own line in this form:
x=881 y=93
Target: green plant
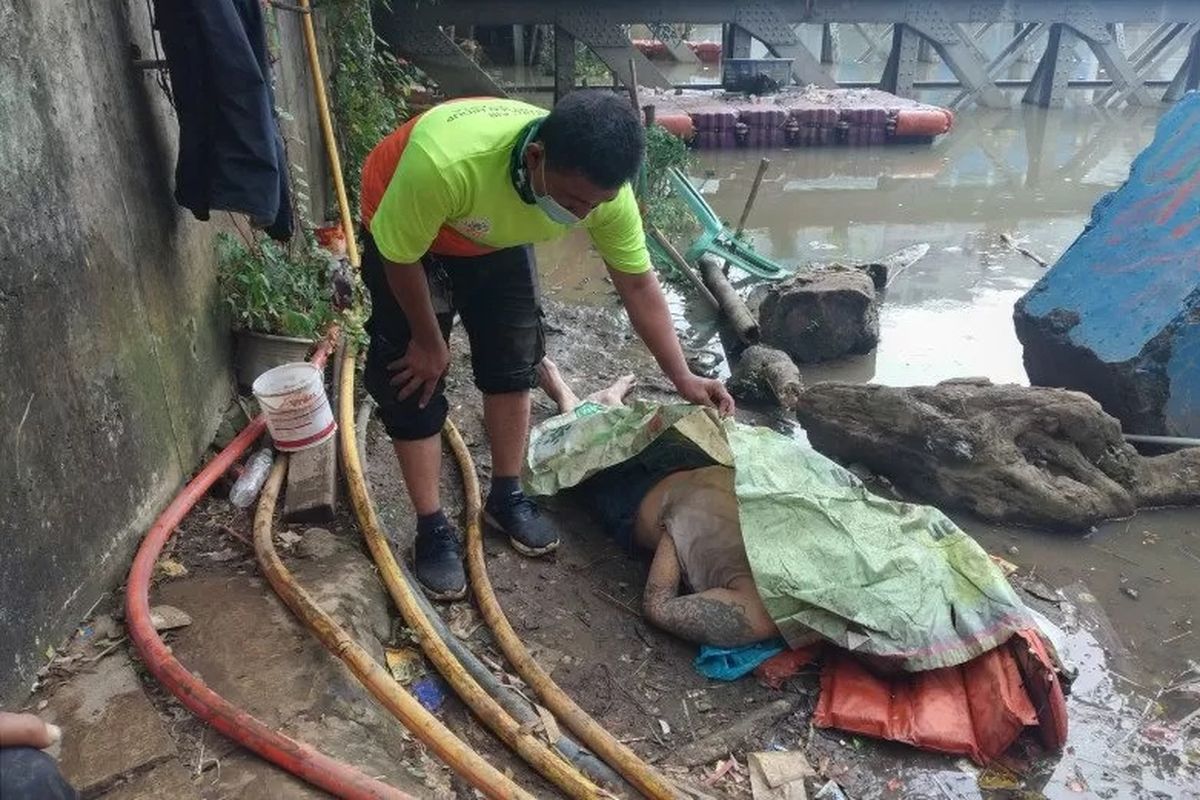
x=275 y=288
x=369 y=85
x=664 y=152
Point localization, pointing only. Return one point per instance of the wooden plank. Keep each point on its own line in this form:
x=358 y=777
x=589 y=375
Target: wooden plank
x=312 y=484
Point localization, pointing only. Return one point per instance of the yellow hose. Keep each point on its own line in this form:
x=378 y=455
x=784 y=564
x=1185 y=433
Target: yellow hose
x=533 y=751
x=448 y=747
x=335 y=161
x=591 y=734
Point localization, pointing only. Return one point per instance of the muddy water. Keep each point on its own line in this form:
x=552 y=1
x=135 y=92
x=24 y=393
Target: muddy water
x=1131 y=604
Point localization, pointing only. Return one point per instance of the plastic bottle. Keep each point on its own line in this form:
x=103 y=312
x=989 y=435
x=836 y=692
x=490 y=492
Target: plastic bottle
x=253 y=476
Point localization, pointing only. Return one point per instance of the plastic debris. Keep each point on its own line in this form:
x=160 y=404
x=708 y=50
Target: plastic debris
x=831 y=791
x=430 y=692
x=404 y=663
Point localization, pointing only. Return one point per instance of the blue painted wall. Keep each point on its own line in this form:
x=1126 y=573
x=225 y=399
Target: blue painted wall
x=1133 y=277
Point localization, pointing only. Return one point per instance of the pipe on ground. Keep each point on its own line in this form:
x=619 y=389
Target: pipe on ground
x=487 y=710
x=426 y=727
x=516 y=706
x=619 y=756
x=298 y=758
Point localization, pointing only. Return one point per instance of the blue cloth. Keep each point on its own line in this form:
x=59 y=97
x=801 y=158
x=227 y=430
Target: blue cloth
x=731 y=663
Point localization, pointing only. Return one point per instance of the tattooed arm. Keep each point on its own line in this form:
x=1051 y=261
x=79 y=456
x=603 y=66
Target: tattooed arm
x=719 y=617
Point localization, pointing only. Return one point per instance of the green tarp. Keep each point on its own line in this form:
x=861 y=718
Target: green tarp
x=874 y=576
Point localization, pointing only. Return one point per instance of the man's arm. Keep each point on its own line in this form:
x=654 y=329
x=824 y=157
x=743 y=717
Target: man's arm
x=643 y=300
x=716 y=617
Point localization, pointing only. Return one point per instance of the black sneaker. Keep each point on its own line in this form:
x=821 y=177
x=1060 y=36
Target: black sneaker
x=438 y=562
x=516 y=515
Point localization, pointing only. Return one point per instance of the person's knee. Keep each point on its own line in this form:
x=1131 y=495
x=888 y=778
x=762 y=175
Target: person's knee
x=29 y=774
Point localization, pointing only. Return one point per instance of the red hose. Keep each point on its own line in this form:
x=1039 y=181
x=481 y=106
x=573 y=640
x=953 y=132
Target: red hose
x=298 y=758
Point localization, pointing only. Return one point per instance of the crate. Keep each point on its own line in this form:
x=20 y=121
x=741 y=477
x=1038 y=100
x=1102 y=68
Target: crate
x=755 y=75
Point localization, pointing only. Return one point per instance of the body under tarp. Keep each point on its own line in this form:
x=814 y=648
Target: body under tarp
x=897 y=583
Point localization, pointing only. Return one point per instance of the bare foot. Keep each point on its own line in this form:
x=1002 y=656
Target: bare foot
x=613 y=395
x=552 y=383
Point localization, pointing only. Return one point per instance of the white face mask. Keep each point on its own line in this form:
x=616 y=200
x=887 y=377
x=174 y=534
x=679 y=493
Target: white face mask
x=551 y=207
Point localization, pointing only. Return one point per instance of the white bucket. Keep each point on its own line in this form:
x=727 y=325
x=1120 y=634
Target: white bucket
x=293 y=398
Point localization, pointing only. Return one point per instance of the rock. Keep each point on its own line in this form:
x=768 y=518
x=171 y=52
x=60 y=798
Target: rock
x=1008 y=453
x=317 y=543
x=765 y=374
x=1119 y=315
x=168 y=618
x=1130 y=592
x=821 y=315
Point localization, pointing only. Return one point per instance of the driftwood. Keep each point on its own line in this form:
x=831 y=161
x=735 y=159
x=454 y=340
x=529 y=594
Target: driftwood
x=765 y=374
x=762 y=170
x=1035 y=456
x=684 y=267
x=712 y=270
x=1025 y=251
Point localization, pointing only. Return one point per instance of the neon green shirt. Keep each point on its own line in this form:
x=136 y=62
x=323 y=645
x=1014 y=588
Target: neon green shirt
x=455 y=171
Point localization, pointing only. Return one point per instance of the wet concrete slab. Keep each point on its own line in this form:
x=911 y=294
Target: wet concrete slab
x=167 y=781
x=110 y=727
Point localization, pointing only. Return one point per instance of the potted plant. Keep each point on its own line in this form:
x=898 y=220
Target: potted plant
x=279 y=295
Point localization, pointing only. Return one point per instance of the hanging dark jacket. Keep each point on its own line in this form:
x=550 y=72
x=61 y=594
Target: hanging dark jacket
x=231 y=155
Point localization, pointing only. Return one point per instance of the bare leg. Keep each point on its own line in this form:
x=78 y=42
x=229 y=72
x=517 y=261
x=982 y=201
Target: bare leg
x=507 y=419
x=556 y=388
x=421 y=465
x=614 y=393
x=551 y=382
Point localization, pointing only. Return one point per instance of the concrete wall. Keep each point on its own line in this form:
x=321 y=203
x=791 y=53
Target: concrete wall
x=115 y=364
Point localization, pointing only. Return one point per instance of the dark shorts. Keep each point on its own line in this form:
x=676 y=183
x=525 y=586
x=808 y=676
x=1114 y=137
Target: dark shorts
x=26 y=773
x=615 y=494
x=496 y=297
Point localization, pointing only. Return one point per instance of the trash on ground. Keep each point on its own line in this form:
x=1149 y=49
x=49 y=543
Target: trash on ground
x=169 y=568
x=168 y=618
x=831 y=791
x=779 y=775
x=404 y=663
x=430 y=692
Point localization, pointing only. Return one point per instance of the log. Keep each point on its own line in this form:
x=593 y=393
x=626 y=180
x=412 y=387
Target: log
x=712 y=270
x=681 y=264
x=765 y=374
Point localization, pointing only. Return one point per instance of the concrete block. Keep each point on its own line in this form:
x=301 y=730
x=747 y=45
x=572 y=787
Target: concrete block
x=312 y=484
x=109 y=726
x=1118 y=316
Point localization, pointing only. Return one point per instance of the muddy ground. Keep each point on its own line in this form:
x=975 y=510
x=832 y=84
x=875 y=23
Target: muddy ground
x=578 y=611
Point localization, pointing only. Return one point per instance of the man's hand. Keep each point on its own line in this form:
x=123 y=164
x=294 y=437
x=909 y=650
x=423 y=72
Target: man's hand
x=706 y=392
x=26 y=730
x=422 y=366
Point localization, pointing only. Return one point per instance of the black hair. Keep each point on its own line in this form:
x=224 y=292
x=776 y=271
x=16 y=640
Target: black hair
x=597 y=133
